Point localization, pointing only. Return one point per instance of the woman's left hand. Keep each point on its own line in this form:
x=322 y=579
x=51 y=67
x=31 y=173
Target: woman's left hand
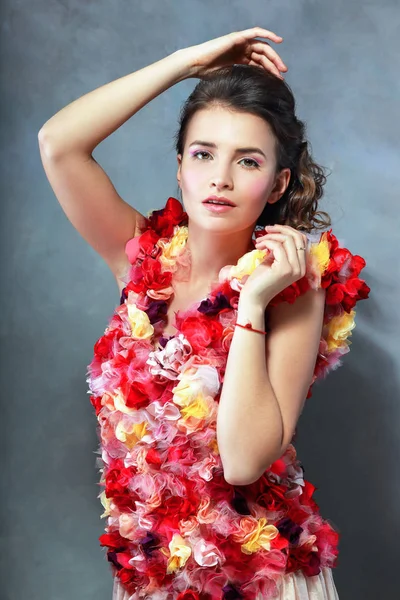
x=285 y=264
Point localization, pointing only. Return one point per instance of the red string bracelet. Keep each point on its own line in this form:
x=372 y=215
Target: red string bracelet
x=249 y=326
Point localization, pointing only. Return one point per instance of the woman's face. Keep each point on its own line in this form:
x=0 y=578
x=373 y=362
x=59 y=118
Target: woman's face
x=229 y=154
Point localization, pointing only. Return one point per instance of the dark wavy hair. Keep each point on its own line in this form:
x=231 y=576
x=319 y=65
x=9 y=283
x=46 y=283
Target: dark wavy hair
x=251 y=89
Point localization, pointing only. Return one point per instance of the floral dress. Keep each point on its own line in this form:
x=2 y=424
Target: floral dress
x=175 y=529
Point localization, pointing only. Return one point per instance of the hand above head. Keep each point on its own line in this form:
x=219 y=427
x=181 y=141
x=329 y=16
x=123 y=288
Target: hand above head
x=238 y=47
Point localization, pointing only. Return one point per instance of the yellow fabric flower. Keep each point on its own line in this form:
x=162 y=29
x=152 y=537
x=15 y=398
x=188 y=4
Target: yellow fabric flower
x=260 y=537
x=247 y=263
x=183 y=392
x=196 y=415
x=339 y=329
x=130 y=435
x=320 y=253
x=180 y=551
x=196 y=381
x=106 y=502
x=213 y=445
x=198 y=409
x=171 y=249
x=139 y=322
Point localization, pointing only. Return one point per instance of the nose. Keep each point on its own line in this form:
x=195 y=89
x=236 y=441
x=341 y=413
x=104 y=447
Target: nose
x=222 y=178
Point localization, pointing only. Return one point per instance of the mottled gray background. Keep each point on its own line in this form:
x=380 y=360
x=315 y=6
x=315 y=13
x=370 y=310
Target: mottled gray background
x=57 y=293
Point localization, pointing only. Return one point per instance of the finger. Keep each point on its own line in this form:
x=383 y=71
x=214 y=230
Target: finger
x=302 y=238
x=265 y=48
x=293 y=258
x=301 y=241
x=266 y=64
x=253 y=63
x=275 y=236
x=278 y=251
x=296 y=257
x=260 y=32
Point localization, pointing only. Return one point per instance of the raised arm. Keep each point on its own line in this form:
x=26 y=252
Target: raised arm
x=67 y=140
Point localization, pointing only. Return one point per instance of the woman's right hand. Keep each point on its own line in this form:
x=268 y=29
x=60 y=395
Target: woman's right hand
x=238 y=47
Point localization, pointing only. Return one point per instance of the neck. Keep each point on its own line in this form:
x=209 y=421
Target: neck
x=211 y=251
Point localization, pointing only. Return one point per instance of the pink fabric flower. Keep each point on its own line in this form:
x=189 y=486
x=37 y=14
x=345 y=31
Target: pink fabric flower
x=169 y=361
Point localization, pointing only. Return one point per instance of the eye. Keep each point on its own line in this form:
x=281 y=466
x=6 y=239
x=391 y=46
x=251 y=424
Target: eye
x=251 y=160
x=199 y=152
x=256 y=165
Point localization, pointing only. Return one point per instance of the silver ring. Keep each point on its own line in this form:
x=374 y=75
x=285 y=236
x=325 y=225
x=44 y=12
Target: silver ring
x=303 y=248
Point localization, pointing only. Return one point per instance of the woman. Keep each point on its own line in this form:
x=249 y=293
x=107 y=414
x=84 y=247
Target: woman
x=204 y=368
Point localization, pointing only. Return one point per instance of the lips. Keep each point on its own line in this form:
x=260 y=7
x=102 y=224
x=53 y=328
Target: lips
x=220 y=199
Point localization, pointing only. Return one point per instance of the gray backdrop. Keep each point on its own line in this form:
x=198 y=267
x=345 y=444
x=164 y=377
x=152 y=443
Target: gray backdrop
x=57 y=293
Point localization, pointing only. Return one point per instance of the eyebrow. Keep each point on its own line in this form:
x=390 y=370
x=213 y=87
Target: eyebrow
x=211 y=145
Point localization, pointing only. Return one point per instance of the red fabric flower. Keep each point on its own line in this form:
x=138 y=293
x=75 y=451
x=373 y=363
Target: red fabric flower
x=201 y=332
x=182 y=455
x=289 y=294
x=147 y=244
x=341 y=276
x=113 y=540
x=117 y=478
x=138 y=247
x=157 y=570
x=132 y=579
x=123 y=559
x=306 y=498
x=135 y=394
x=154 y=458
x=328 y=538
x=273 y=497
x=96 y=403
x=163 y=221
x=279 y=543
x=103 y=346
x=188 y=595
x=304 y=559
x=175 y=508
x=152 y=277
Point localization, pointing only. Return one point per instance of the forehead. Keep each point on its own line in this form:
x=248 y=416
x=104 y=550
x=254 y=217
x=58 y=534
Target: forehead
x=229 y=128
